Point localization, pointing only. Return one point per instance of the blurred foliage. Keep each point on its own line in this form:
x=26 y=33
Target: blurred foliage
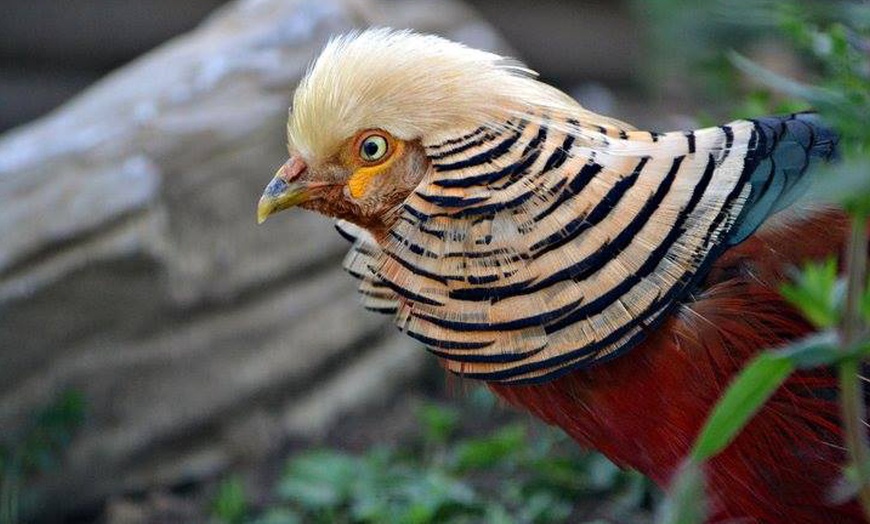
x=230 y=504
x=690 y=36
x=687 y=39
x=514 y=473
x=36 y=449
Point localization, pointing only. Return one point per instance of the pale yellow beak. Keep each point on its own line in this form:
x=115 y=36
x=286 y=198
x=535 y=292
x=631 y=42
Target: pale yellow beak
x=284 y=191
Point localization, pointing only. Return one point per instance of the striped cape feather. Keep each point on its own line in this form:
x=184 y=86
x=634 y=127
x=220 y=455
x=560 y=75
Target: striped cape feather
x=544 y=243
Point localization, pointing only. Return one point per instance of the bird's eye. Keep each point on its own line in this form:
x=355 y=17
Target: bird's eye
x=373 y=148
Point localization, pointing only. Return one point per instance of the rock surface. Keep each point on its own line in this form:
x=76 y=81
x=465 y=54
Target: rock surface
x=131 y=268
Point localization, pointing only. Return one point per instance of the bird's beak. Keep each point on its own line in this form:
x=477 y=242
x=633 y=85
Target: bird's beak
x=284 y=191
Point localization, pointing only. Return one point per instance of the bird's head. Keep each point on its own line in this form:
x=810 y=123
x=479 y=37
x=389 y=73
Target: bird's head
x=371 y=103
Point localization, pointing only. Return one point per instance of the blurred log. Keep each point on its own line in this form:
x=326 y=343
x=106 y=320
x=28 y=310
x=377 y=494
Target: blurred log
x=131 y=268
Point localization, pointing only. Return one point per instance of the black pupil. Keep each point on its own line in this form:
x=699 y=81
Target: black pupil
x=371 y=148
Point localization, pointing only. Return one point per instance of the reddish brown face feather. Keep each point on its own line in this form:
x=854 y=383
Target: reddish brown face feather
x=325 y=188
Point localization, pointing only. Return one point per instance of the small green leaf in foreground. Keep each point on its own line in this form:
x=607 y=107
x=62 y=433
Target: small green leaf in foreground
x=755 y=384
x=814 y=292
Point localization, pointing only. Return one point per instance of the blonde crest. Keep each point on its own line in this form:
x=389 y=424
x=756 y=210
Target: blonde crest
x=415 y=87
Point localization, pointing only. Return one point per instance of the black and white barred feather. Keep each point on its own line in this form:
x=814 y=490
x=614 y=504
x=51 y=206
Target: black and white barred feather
x=543 y=245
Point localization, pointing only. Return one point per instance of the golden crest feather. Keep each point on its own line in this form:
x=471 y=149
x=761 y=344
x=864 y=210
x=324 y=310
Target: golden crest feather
x=414 y=86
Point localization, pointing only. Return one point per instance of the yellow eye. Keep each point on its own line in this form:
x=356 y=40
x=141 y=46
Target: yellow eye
x=373 y=148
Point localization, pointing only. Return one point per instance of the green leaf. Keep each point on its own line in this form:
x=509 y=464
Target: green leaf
x=568 y=475
x=817 y=96
x=815 y=293
x=865 y=305
x=685 y=503
x=544 y=506
x=818 y=349
x=845 y=488
x=439 y=422
x=319 y=479
x=743 y=398
x=230 y=505
x=279 y=516
x=497 y=514
x=484 y=453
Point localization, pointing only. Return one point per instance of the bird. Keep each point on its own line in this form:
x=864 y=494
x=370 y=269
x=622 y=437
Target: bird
x=609 y=280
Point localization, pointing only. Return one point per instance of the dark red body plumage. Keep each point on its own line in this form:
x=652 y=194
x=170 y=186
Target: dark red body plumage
x=645 y=409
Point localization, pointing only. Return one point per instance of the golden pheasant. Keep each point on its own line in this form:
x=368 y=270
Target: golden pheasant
x=609 y=280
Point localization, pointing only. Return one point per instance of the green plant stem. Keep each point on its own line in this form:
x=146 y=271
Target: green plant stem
x=851 y=389
x=852 y=404
x=856 y=266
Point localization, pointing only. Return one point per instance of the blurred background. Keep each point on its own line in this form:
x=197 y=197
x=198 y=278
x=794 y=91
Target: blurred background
x=598 y=49
x=162 y=359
